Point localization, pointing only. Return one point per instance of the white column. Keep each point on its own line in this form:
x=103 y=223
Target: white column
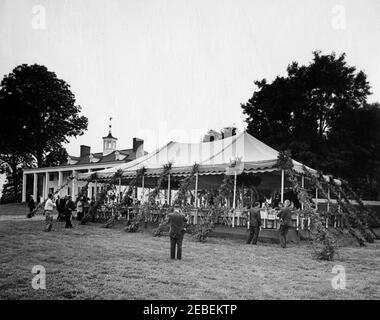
x=196 y=190
x=282 y=185
x=96 y=189
x=328 y=199
x=59 y=182
x=298 y=221
x=23 y=187
x=89 y=187
x=73 y=185
x=168 y=199
x=303 y=187
x=234 y=198
x=46 y=185
x=35 y=177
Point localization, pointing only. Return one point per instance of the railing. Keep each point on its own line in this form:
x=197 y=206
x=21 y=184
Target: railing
x=229 y=217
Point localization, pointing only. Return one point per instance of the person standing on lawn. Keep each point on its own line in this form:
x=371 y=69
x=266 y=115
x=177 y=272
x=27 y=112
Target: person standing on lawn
x=285 y=216
x=32 y=206
x=49 y=207
x=254 y=223
x=86 y=205
x=79 y=209
x=58 y=204
x=177 y=221
x=62 y=205
x=69 y=207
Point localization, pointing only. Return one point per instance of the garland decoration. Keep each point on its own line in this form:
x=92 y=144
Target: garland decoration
x=226 y=189
x=356 y=219
x=368 y=214
x=133 y=183
x=323 y=241
x=102 y=196
x=165 y=171
x=185 y=184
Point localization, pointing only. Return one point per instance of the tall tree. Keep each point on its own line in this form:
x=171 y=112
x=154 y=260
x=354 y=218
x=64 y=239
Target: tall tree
x=38 y=115
x=38 y=112
x=310 y=111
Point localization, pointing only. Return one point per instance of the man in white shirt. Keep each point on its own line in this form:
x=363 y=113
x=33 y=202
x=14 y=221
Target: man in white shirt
x=48 y=211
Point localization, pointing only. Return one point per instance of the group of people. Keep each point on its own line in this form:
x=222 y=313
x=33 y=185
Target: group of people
x=178 y=223
x=177 y=219
x=65 y=207
x=285 y=218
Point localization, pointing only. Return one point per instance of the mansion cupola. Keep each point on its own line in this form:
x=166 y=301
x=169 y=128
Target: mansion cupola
x=109 y=143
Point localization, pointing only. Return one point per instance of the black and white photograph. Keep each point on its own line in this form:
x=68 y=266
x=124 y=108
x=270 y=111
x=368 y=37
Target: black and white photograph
x=207 y=151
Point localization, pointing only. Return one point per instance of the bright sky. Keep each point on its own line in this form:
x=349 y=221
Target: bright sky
x=174 y=69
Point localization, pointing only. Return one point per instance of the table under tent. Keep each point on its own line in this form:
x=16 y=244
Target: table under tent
x=250 y=165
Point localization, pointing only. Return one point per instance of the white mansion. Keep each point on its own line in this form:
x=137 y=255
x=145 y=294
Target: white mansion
x=39 y=182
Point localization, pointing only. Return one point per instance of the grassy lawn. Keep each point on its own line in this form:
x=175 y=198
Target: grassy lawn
x=89 y=262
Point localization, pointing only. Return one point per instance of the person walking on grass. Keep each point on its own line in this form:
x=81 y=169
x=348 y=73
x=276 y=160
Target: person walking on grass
x=254 y=223
x=285 y=216
x=86 y=205
x=177 y=221
x=79 y=209
x=32 y=206
x=59 y=204
x=48 y=212
x=69 y=207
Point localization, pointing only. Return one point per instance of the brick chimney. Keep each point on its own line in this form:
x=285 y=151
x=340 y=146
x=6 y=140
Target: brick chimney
x=138 y=147
x=85 y=151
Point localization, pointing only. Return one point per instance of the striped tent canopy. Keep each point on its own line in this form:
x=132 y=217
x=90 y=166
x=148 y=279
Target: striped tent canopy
x=248 y=154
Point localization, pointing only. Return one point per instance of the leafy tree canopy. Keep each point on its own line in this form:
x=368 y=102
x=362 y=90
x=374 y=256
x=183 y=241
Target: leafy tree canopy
x=38 y=112
x=38 y=115
x=319 y=112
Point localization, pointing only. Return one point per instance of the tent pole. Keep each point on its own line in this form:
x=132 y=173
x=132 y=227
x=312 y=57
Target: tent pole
x=195 y=198
x=196 y=190
x=282 y=185
x=234 y=203
x=338 y=209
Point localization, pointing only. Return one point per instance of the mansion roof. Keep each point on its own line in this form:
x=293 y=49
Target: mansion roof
x=124 y=155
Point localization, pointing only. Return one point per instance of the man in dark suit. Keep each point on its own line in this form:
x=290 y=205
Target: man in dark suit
x=58 y=204
x=285 y=216
x=32 y=206
x=177 y=221
x=69 y=207
x=254 y=223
